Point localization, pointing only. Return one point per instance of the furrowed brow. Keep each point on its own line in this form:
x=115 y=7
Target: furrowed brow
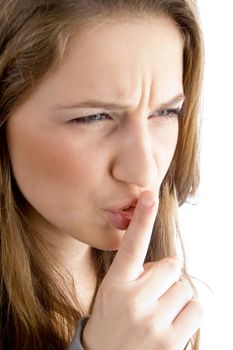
x=116 y=106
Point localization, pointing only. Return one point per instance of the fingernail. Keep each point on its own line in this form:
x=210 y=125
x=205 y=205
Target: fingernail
x=147 y=200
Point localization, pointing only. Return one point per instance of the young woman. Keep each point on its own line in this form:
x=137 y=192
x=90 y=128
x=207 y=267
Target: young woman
x=98 y=114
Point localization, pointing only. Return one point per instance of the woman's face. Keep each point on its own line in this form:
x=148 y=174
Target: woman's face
x=71 y=172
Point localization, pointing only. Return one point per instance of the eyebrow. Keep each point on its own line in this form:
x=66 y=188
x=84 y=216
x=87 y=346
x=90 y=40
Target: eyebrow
x=118 y=106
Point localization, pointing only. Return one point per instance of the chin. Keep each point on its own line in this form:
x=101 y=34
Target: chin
x=110 y=244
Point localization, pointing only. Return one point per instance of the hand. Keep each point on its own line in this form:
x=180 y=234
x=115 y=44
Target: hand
x=142 y=306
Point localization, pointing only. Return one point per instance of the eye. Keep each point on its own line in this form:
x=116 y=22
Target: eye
x=92 y=119
x=169 y=113
x=95 y=119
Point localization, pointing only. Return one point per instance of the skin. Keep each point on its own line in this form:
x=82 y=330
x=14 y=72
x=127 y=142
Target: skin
x=142 y=306
x=70 y=173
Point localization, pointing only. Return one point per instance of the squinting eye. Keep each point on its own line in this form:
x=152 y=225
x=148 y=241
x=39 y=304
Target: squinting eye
x=94 y=118
x=169 y=113
x=100 y=117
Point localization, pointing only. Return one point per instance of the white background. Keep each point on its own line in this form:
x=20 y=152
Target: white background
x=207 y=227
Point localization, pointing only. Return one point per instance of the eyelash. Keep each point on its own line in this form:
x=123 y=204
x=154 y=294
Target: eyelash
x=170 y=113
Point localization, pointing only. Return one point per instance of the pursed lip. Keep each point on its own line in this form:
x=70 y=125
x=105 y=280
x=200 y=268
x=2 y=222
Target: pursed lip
x=121 y=219
x=118 y=209
x=128 y=214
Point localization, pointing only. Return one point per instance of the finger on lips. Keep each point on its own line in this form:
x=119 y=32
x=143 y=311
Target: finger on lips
x=129 y=260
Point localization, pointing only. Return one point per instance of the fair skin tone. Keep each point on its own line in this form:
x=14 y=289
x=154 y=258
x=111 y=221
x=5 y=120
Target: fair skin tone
x=70 y=173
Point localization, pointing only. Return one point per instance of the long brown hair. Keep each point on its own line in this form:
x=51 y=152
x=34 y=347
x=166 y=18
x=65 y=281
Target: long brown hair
x=37 y=312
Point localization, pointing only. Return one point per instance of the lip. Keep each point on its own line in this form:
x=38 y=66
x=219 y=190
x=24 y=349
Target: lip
x=120 y=207
x=121 y=219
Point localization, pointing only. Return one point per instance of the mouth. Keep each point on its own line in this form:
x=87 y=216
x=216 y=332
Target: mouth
x=129 y=208
x=124 y=207
x=120 y=215
x=122 y=218
x=128 y=212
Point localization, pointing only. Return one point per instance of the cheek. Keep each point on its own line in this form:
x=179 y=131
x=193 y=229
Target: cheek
x=164 y=145
x=170 y=144
x=45 y=165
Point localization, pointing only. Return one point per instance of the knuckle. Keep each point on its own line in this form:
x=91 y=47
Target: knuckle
x=197 y=309
x=165 y=342
x=152 y=328
x=164 y=337
x=168 y=341
x=185 y=289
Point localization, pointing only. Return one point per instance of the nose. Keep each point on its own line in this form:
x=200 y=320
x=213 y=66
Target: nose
x=135 y=162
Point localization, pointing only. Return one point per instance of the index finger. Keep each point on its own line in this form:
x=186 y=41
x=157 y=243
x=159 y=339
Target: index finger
x=129 y=260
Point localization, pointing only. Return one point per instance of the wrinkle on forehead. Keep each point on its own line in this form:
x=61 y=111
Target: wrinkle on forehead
x=133 y=63
x=130 y=62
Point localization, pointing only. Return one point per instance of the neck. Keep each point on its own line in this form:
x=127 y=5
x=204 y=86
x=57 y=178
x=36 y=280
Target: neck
x=73 y=256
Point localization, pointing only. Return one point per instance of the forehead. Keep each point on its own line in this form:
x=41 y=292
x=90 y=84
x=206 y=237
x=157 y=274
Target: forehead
x=120 y=58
